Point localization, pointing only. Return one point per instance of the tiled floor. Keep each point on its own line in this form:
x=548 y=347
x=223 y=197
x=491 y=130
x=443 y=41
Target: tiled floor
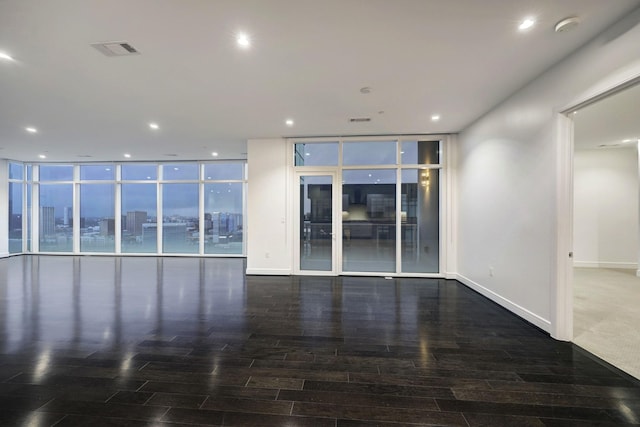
x=185 y=341
x=607 y=315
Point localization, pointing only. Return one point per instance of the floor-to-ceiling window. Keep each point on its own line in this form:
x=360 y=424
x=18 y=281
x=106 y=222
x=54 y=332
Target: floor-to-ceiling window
x=186 y=208
x=139 y=208
x=97 y=208
x=55 y=208
x=389 y=201
x=16 y=207
x=223 y=208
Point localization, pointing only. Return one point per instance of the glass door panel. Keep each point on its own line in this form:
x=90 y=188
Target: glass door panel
x=316 y=223
x=369 y=220
x=420 y=221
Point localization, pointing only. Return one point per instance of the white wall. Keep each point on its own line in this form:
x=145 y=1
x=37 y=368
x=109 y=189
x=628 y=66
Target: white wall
x=269 y=227
x=507 y=178
x=605 y=226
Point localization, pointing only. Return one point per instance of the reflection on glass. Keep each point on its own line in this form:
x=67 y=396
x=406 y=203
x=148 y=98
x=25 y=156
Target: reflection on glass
x=420 y=152
x=223 y=171
x=97 y=220
x=56 y=223
x=369 y=153
x=223 y=218
x=97 y=172
x=56 y=173
x=316 y=223
x=316 y=154
x=420 y=221
x=139 y=231
x=15 y=217
x=139 y=172
x=180 y=171
x=180 y=224
x=368 y=220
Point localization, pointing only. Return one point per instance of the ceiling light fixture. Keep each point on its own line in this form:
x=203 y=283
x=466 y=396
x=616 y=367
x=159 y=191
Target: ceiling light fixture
x=6 y=56
x=526 y=24
x=289 y=122
x=31 y=129
x=127 y=155
x=435 y=117
x=243 y=41
x=214 y=154
x=567 y=24
x=42 y=156
x=154 y=126
x=629 y=140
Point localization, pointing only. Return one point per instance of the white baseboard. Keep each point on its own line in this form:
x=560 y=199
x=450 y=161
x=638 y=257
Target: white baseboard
x=4 y=255
x=527 y=315
x=599 y=264
x=269 y=271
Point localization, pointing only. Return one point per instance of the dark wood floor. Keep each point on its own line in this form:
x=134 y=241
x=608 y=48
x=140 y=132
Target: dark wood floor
x=146 y=341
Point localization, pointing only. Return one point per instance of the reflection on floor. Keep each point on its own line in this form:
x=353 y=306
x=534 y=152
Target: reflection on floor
x=138 y=341
x=607 y=315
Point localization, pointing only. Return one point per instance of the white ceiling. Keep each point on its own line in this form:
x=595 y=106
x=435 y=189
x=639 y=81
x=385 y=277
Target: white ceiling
x=308 y=61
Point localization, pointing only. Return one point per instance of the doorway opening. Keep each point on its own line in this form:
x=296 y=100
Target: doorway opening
x=606 y=189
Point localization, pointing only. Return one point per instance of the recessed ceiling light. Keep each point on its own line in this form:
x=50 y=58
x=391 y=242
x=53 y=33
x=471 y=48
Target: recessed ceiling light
x=243 y=41
x=127 y=155
x=154 y=126
x=289 y=122
x=435 y=117
x=214 y=154
x=629 y=140
x=31 y=129
x=42 y=156
x=526 y=24
x=6 y=56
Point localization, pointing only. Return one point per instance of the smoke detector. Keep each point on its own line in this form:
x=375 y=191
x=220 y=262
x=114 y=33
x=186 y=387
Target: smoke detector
x=567 y=24
x=116 y=48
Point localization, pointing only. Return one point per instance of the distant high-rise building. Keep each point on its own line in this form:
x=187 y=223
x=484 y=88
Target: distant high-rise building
x=134 y=222
x=47 y=221
x=67 y=218
x=107 y=227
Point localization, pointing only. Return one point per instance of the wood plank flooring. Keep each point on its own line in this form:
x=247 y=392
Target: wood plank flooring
x=187 y=341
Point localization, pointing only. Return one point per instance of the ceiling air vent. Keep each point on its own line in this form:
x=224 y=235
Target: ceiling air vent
x=360 y=119
x=116 y=48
